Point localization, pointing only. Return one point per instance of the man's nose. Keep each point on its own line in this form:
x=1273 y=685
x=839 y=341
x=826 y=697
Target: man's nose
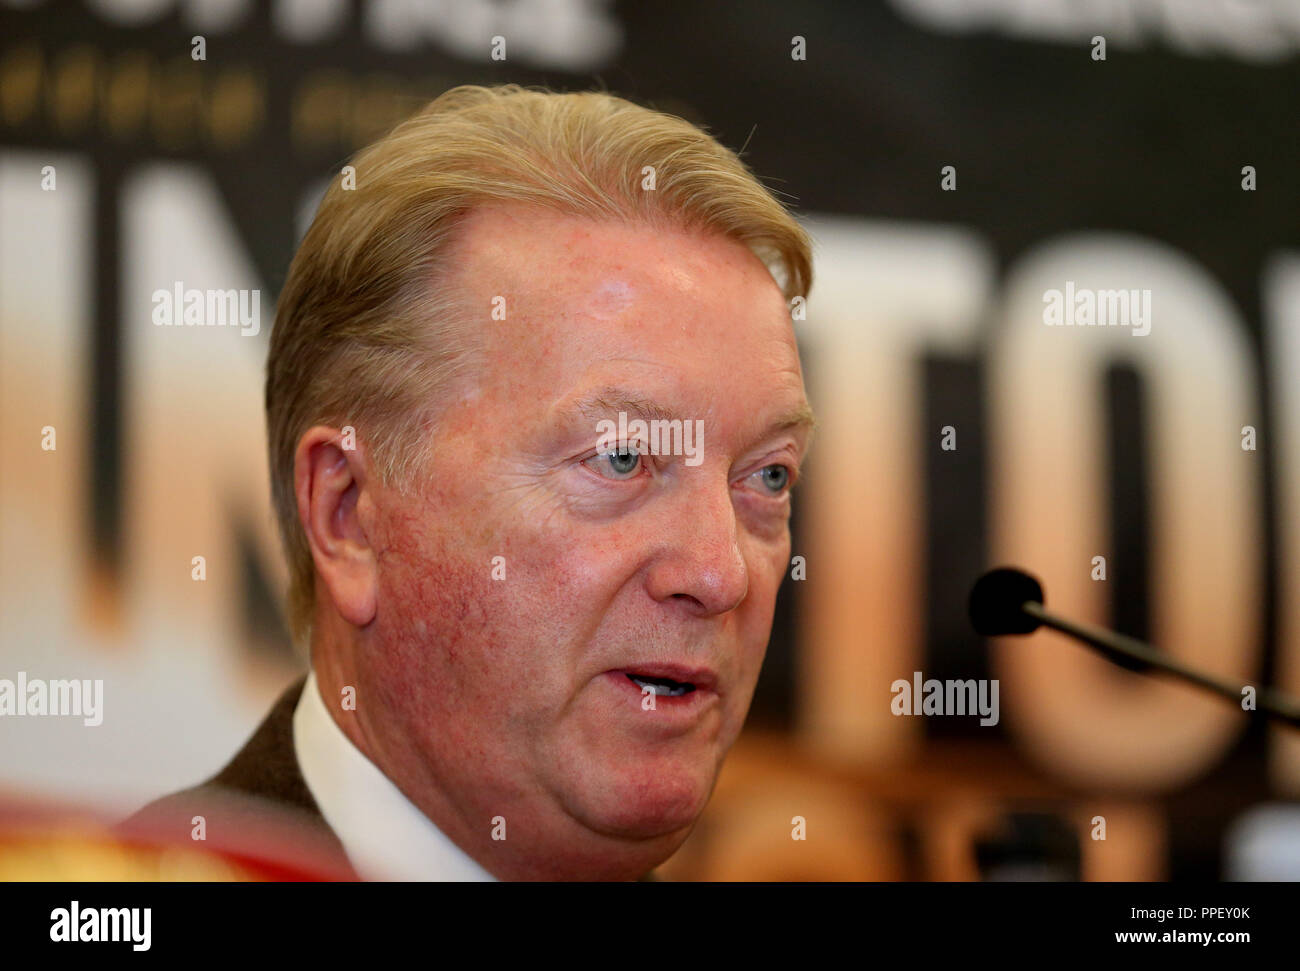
x=702 y=562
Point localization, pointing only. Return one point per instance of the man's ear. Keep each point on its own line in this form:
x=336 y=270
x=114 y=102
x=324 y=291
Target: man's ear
x=332 y=485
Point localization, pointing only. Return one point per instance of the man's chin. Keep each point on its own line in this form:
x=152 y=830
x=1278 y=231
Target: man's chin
x=646 y=804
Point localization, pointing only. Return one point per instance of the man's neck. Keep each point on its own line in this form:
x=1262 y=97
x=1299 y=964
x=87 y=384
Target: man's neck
x=385 y=835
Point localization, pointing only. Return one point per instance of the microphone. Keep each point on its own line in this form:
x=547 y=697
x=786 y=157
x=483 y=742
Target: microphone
x=1010 y=601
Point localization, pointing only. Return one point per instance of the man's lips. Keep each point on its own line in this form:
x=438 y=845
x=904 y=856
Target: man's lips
x=670 y=676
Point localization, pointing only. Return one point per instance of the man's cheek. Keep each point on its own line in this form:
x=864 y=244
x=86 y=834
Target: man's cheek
x=487 y=641
x=431 y=605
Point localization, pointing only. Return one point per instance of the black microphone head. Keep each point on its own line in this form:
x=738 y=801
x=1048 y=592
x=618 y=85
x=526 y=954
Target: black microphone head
x=995 y=602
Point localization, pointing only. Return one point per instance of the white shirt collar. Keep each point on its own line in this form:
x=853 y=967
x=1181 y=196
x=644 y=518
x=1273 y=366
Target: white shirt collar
x=385 y=836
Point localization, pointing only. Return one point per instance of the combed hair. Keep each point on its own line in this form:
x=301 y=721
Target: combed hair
x=368 y=332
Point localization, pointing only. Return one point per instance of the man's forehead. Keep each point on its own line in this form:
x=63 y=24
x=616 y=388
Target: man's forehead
x=606 y=260
x=672 y=320
x=611 y=295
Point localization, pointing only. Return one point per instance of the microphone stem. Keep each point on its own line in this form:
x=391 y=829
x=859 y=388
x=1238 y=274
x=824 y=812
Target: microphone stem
x=1111 y=644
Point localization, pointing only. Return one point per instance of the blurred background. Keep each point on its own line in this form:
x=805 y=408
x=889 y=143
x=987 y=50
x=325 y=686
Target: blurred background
x=955 y=162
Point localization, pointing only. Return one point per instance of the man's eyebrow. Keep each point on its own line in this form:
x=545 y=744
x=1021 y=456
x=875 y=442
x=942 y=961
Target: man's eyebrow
x=603 y=402
x=801 y=418
x=609 y=400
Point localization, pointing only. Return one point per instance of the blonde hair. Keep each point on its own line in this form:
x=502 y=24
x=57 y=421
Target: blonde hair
x=369 y=333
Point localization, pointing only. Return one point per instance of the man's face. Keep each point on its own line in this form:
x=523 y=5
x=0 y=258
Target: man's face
x=523 y=586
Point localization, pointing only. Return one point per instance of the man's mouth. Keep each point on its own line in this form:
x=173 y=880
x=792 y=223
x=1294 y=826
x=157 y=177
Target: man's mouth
x=670 y=680
x=662 y=686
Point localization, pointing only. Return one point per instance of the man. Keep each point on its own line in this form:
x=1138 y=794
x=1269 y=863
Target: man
x=532 y=642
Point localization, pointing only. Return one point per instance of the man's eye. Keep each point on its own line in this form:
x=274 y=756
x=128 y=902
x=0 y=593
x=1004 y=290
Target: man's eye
x=776 y=478
x=619 y=463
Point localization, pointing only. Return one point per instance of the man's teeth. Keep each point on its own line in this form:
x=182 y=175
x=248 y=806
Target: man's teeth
x=662 y=686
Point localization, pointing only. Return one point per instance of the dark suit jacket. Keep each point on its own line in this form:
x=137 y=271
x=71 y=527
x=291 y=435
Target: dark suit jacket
x=258 y=805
